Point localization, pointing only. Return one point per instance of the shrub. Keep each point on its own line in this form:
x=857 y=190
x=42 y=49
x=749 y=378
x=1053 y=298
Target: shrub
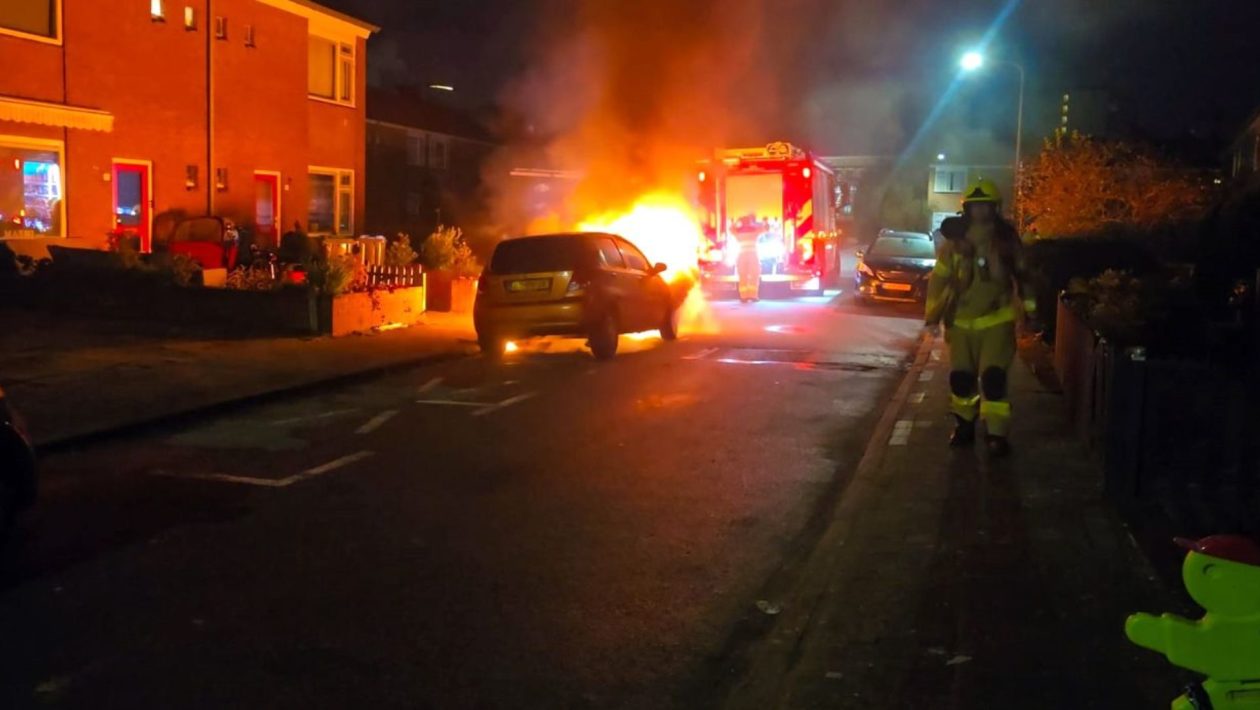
x=447 y=250
x=244 y=278
x=1156 y=310
x=336 y=275
x=1054 y=263
x=399 y=252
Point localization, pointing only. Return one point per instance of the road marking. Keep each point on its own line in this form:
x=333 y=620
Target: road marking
x=450 y=403
x=375 y=422
x=926 y=375
x=312 y=417
x=700 y=355
x=331 y=465
x=917 y=397
x=901 y=432
x=936 y=355
x=429 y=385
x=501 y=405
x=270 y=482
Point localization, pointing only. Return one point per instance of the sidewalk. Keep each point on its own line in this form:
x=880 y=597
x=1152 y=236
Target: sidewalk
x=80 y=378
x=949 y=581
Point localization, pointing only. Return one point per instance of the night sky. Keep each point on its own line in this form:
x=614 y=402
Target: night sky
x=859 y=79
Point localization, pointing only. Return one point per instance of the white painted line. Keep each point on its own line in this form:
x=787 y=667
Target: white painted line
x=429 y=385
x=936 y=355
x=248 y=480
x=450 y=403
x=917 y=397
x=700 y=355
x=505 y=403
x=333 y=465
x=313 y=417
x=375 y=422
x=926 y=375
x=901 y=432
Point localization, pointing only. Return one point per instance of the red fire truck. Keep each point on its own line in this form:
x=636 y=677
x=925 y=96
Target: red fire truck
x=787 y=193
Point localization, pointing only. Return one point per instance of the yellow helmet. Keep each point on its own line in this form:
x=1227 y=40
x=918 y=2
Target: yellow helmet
x=982 y=190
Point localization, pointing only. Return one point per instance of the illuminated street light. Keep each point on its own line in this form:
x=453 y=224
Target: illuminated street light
x=442 y=87
x=973 y=60
x=940 y=156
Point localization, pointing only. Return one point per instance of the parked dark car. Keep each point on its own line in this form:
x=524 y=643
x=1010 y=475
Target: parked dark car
x=17 y=467
x=590 y=285
x=895 y=267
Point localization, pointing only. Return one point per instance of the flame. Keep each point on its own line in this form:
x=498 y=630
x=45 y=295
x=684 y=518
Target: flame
x=666 y=228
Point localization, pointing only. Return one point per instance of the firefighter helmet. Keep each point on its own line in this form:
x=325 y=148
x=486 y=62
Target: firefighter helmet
x=982 y=190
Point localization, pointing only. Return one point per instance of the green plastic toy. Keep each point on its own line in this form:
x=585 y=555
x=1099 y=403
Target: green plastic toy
x=1222 y=575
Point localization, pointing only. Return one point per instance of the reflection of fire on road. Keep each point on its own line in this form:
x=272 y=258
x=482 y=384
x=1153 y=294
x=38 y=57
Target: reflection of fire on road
x=665 y=227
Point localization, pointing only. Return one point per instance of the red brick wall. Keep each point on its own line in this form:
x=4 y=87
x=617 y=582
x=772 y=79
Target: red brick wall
x=32 y=70
x=337 y=133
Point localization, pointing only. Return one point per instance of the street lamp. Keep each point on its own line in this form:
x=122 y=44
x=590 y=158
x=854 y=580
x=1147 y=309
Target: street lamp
x=972 y=61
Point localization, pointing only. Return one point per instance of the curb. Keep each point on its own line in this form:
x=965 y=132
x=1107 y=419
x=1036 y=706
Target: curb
x=770 y=663
x=67 y=442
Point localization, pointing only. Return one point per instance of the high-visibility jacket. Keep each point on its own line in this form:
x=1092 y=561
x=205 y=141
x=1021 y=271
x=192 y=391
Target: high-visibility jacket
x=979 y=279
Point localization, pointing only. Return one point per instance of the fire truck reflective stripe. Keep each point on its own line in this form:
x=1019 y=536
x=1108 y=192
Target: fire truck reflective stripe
x=806 y=212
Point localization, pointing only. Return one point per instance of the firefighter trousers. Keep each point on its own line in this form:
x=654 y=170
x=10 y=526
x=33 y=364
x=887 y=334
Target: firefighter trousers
x=978 y=361
x=748 y=267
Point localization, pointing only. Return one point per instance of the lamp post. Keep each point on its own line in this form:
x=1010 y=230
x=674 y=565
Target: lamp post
x=972 y=61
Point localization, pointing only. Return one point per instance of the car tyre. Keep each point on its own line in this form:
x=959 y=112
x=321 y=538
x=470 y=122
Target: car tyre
x=492 y=345
x=603 y=337
x=669 y=324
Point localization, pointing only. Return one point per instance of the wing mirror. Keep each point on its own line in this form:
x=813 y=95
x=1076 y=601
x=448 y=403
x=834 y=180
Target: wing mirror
x=659 y=268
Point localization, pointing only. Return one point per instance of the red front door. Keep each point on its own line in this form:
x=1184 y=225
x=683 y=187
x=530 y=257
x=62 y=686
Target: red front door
x=267 y=207
x=133 y=201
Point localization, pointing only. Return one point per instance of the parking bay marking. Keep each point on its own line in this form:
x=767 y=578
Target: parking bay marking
x=273 y=482
x=504 y=404
x=375 y=422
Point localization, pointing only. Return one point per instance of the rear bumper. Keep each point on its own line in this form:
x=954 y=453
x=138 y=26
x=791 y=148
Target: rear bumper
x=875 y=289
x=569 y=317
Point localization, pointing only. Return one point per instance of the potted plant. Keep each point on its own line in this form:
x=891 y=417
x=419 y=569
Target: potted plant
x=453 y=271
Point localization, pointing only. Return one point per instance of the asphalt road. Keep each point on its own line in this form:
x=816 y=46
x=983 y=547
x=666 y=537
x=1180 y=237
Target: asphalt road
x=543 y=532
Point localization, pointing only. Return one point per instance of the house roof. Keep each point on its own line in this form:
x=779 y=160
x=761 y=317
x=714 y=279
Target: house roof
x=405 y=107
x=324 y=18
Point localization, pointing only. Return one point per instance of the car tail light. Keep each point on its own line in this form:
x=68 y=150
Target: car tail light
x=483 y=283
x=577 y=284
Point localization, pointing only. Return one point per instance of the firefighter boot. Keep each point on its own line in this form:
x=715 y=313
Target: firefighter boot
x=998 y=446
x=964 y=433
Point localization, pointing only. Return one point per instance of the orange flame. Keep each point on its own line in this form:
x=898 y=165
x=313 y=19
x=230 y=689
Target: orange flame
x=665 y=227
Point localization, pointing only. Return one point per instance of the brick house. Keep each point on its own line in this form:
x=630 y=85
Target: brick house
x=425 y=161
x=947 y=181
x=130 y=113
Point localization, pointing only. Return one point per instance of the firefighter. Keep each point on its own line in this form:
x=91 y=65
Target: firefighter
x=977 y=290
x=748 y=265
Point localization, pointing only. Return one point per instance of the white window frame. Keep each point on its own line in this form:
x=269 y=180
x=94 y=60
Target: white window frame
x=44 y=144
x=338 y=189
x=344 y=55
x=60 y=31
x=958 y=185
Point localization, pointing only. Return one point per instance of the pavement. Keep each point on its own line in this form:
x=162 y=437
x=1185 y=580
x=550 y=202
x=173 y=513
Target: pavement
x=85 y=378
x=761 y=515
x=946 y=579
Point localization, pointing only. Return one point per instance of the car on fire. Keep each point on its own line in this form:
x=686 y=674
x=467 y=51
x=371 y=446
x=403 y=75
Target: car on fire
x=594 y=285
x=895 y=267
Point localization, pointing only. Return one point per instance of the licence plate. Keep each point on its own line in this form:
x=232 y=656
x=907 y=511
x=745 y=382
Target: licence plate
x=896 y=287
x=529 y=285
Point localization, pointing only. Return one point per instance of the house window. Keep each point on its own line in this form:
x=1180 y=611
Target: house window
x=221 y=179
x=332 y=202
x=190 y=18
x=950 y=180
x=32 y=188
x=249 y=36
x=330 y=70
x=415 y=150
x=438 y=152
x=157 y=12
x=220 y=28
x=31 y=18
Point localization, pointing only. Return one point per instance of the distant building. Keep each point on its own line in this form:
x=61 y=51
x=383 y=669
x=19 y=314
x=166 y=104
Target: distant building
x=124 y=114
x=424 y=162
x=946 y=183
x=1244 y=151
x=855 y=174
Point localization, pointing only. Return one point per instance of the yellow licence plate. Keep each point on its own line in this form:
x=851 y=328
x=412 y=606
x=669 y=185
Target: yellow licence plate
x=896 y=287
x=529 y=285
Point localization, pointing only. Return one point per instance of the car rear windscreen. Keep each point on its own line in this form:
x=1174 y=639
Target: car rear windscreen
x=535 y=254
x=907 y=248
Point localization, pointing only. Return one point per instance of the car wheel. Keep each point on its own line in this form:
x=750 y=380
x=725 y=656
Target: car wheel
x=491 y=345
x=669 y=325
x=603 y=337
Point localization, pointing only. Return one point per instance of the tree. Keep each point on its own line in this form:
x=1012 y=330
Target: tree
x=1080 y=185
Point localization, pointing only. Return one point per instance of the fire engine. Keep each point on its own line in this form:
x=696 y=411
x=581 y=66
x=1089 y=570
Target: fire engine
x=784 y=191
